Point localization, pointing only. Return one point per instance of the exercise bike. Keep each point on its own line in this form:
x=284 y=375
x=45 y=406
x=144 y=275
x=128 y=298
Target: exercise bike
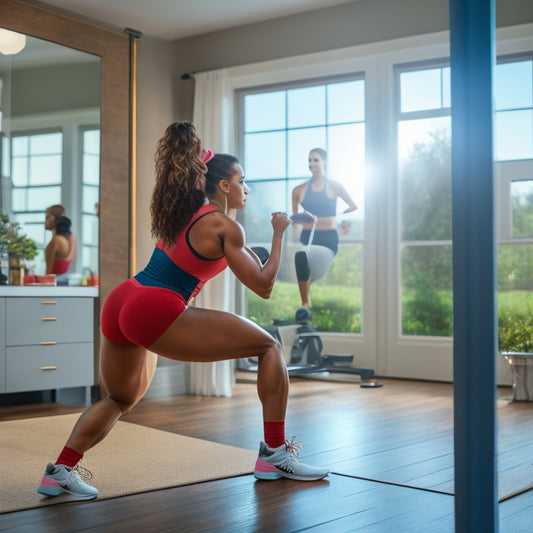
x=301 y=339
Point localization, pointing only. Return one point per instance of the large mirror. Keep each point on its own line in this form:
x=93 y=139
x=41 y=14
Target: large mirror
x=113 y=49
x=50 y=150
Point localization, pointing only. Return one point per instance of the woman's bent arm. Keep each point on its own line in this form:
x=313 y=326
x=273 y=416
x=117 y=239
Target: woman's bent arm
x=245 y=267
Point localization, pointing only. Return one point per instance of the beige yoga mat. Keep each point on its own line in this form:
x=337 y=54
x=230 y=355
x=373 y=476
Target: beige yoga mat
x=129 y=460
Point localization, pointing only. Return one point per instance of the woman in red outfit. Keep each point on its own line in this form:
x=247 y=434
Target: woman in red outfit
x=148 y=314
x=61 y=249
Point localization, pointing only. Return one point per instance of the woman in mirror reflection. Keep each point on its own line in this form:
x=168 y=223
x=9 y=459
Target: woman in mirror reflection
x=148 y=313
x=318 y=199
x=61 y=249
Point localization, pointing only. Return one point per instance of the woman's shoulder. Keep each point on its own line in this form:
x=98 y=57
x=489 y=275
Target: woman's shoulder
x=302 y=187
x=211 y=217
x=59 y=239
x=335 y=186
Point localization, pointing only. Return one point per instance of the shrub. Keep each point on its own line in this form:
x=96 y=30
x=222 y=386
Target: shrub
x=427 y=312
x=515 y=331
x=19 y=246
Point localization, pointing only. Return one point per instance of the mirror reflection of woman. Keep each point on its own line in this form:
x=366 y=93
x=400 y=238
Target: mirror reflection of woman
x=61 y=249
x=317 y=196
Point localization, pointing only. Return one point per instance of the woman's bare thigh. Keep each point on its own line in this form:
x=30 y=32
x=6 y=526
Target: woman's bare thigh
x=207 y=335
x=126 y=370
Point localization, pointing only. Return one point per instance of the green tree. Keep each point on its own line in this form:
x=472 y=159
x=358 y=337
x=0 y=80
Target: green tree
x=426 y=195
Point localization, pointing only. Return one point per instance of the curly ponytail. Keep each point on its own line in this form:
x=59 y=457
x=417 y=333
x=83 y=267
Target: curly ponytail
x=180 y=181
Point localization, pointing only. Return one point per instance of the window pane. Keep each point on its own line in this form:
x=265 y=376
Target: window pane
x=307 y=107
x=337 y=299
x=316 y=117
x=263 y=112
x=90 y=198
x=346 y=160
x=34 y=230
x=5 y=160
x=515 y=267
x=427 y=290
x=513 y=85
x=420 y=90
x=48 y=143
x=264 y=155
x=515 y=297
x=412 y=133
x=45 y=169
x=91 y=169
x=300 y=143
x=18 y=199
x=89 y=257
x=346 y=102
x=90 y=229
x=264 y=198
x=37 y=197
x=446 y=88
x=91 y=142
x=31 y=218
x=514 y=135
x=425 y=179
x=20 y=171
x=20 y=146
x=522 y=206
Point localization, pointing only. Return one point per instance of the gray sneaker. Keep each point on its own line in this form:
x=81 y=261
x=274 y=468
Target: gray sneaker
x=275 y=463
x=58 y=479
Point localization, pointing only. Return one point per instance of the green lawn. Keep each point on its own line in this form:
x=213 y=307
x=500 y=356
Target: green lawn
x=334 y=307
x=426 y=313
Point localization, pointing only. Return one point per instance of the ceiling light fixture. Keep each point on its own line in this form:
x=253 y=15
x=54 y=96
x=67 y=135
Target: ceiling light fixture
x=11 y=42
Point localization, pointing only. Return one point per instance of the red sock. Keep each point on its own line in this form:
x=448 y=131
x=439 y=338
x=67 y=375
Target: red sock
x=69 y=457
x=274 y=433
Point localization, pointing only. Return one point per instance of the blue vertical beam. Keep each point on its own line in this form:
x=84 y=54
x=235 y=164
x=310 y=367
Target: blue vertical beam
x=472 y=29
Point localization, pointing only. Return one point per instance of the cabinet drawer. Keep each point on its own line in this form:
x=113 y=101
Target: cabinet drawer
x=37 y=320
x=31 y=368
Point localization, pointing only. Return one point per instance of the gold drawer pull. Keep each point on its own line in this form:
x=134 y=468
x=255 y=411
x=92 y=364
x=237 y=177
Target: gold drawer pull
x=50 y=302
x=49 y=368
x=46 y=343
x=48 y=318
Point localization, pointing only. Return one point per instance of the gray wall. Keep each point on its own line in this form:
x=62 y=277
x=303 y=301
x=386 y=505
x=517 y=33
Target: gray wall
x=55 y=88
x=346 y=25
x=155 y=111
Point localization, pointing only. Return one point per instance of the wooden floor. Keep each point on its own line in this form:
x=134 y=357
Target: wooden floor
x=389 y=450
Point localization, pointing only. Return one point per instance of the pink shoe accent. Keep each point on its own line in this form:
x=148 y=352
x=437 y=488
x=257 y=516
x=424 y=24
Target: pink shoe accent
x=47 y=482
x=264 y=466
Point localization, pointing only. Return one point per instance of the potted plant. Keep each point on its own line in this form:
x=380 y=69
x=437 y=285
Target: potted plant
x=19 y=247
x=515 y=342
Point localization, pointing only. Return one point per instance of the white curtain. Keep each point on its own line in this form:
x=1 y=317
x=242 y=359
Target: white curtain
x=212 y=120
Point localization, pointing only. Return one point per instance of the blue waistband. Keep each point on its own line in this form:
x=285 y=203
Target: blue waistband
x=162 y=272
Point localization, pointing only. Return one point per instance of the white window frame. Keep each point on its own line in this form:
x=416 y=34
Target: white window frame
x=380 y=347
x=71 y=123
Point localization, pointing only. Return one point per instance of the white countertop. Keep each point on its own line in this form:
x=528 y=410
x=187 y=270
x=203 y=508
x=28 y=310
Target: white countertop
x=49 y=291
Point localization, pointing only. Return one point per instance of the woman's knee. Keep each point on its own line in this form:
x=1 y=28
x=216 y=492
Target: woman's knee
x=275 y=353
x=124 y=404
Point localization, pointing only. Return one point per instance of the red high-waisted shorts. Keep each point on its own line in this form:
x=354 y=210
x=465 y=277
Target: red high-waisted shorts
x=134 y=313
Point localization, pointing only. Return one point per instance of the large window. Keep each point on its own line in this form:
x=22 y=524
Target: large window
x=424 y=158
x=513 y=98
x=280 y=127
x=424 y=166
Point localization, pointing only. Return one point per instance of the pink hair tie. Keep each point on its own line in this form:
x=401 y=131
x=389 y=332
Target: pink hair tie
x=207 y=155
